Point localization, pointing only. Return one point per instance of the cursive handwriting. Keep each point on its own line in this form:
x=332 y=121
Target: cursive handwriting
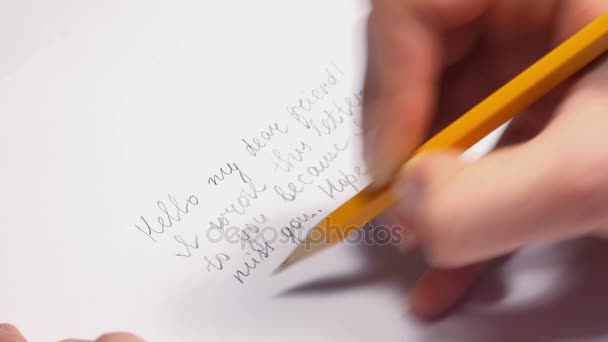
x=169 y=216
x=290 y=191
x=293 y=229
x=217 y=262
x=285 y=161
x=232 y=168
x=186 y=246
x=332 y=119
x=313 y=97
x=296 y=166
x=342 y=183
x=239 y=206
x=255 y=145
x=258 y=252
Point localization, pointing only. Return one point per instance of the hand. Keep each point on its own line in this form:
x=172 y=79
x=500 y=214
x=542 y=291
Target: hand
x=432 y=60
x=8 y=333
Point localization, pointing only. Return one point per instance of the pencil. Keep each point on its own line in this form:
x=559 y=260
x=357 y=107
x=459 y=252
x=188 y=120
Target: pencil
x=553 y=69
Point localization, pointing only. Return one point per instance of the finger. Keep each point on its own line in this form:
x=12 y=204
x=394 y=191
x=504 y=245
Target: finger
x=553 y=188
x=405 y=58
x=522 y=128
x=441 y=290
x=478 y=212
x=400 y=78
x=9 y=333
x=538 y=191
x=119 y=337
x=111 y=337
x=409 y=42
x=429 y=301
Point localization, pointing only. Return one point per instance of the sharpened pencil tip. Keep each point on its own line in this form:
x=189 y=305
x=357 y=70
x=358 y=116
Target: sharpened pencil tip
x=280 y=268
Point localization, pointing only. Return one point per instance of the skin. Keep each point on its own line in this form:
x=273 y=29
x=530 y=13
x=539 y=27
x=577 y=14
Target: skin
x=429 y=61
x=9 y=333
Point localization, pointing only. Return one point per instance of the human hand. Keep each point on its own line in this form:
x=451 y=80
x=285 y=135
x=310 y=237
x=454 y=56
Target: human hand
x=429 y=61
x=8 y=333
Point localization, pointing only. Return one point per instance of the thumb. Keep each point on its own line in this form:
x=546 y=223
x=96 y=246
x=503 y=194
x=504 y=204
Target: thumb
x=461 y=213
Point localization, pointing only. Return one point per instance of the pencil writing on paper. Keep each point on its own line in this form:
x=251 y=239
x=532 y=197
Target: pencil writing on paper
x=281 y=161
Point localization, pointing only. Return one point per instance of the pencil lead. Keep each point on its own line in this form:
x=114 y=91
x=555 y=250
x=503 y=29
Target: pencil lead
x=281 y=267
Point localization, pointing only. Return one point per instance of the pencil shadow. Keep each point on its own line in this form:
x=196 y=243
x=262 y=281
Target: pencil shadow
x=383 y=263
x=575 y=310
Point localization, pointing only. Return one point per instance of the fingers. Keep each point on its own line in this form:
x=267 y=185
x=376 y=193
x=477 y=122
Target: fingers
x=441 y=290
x=538 y=191
x=411 y=41
x=429 y=300
x=118 y=337
x=111 y=337
x=551 y=188
x=488 y=208
x=399 y=91
x=407 y=49
x=8 y=333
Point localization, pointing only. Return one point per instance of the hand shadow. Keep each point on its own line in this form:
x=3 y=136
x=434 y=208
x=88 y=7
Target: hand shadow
x=574 y=308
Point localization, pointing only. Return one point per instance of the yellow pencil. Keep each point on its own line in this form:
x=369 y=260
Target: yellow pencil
x=533 y=83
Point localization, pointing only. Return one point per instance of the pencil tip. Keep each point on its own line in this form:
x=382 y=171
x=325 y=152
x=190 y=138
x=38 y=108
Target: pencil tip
x=280 y=268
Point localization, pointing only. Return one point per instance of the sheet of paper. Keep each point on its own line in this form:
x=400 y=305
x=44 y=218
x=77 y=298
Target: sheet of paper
x=160 y=159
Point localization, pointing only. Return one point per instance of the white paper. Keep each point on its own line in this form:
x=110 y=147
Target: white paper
x=115 y=110
x=117 y=113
